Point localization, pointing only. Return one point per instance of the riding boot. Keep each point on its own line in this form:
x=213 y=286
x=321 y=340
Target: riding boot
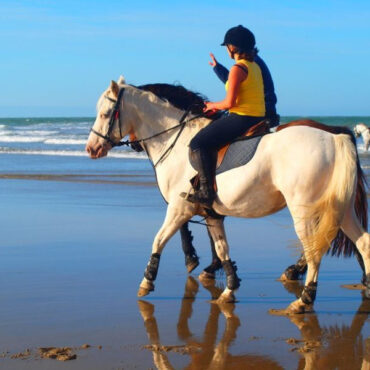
x=205 y=163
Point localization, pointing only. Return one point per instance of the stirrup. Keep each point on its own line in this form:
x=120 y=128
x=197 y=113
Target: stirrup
x=195 y=198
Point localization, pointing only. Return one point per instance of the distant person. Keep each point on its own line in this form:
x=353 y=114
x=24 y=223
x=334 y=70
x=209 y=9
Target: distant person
x=245 y=102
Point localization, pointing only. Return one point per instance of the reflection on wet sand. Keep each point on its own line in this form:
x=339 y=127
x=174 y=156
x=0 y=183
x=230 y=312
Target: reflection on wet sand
x=206 y=353
x=331 y=347
x=319 y=347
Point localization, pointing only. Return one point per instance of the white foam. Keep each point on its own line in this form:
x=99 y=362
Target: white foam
x=66 y=141
x=20 y=139
x=71 y=153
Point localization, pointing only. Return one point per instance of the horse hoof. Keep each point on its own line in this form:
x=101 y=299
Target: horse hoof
x=145 y=289
x=290 y=273
x=142 y=292
x=204 y=275
x=283 y=277
x=292 y=309
x=192 y=266
x=226 y=298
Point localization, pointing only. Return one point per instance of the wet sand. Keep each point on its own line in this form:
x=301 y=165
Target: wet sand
x=72 y=256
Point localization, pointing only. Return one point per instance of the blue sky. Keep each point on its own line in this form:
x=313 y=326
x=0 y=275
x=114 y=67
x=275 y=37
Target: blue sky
x=58 y=56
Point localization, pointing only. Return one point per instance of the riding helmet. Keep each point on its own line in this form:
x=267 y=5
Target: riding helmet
x=240 y=37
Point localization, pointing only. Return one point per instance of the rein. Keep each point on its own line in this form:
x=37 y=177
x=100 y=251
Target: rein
x=115 y=116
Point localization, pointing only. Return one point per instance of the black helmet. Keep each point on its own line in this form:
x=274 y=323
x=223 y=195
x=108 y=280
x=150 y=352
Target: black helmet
x=240 y=37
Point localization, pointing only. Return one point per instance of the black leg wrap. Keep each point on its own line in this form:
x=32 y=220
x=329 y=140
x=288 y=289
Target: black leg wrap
x=214 y=266
x=301 y=266
x=186 y=239
x=309 y=293
x=291 y=273
x=232 y=280
x=152 y=267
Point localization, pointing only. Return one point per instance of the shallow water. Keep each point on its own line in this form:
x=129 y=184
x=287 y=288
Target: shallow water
x=73 y=254
x=76 y=237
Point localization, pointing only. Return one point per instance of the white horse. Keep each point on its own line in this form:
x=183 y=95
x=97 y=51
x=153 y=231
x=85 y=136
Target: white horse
x=316 y=175
x=362 y=130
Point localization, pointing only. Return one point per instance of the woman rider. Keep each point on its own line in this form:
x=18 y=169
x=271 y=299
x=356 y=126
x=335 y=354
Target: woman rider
x=246 y=106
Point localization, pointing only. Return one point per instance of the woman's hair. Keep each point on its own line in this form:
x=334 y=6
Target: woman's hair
x=248 y=55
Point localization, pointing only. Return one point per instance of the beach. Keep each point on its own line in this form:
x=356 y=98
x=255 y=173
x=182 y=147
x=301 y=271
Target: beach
x=77 y=235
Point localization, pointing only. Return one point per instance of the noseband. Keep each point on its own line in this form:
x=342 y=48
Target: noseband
x=113 y=118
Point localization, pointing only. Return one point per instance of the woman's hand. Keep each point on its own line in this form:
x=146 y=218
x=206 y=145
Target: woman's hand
x=209 y=107
x=214 y=61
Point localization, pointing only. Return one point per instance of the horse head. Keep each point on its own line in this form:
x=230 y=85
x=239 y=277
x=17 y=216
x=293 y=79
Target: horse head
x=107 y=129
x=359 y=129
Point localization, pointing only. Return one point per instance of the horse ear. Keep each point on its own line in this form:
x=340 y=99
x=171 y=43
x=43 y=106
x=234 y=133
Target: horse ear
x=114 y=87
x=121 y=80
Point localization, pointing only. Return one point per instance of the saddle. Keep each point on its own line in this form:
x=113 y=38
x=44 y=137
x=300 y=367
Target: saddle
x=259 y=129
x=239 y=152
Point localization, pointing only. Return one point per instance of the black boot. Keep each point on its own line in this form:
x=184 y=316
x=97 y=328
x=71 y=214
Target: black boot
x=205 y=163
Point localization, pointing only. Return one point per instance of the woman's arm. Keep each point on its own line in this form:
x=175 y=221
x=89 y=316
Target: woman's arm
x=236 y=77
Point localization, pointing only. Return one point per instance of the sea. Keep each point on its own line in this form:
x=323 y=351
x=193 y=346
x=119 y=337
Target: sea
x=57 y=146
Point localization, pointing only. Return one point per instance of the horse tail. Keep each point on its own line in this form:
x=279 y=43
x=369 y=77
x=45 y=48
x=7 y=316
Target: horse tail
x=342 y=245
x=328 y=211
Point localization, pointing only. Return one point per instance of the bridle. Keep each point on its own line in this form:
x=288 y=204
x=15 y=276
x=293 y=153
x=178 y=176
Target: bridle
x=112 y=120
x=116 y=114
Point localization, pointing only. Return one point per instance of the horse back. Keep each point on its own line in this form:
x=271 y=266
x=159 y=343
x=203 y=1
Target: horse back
x=320 y=126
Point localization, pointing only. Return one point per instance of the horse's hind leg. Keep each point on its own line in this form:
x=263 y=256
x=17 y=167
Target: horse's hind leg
x=176 y=216
x=305 y=302
x=353 y=229
x=191 y=257
x=210 y=271
x=217 y=231
x=296 y=271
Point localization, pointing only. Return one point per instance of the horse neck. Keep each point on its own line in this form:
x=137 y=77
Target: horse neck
x=152 y=117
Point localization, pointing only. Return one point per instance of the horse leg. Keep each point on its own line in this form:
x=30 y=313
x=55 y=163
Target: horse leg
x=353 y=229
x=296 y=271
x=191 y=257
x=304 y=303
x=210 y=271
x=217 y=231
x=176 y=216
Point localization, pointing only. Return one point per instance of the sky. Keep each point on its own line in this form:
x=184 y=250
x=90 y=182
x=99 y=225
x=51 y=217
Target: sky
x=58 y=56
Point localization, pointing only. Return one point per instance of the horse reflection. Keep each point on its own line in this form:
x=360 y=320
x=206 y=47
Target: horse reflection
x=205 y=353
x=331 y=347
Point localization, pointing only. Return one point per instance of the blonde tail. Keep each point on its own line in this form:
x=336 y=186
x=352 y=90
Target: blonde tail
x=326 y=214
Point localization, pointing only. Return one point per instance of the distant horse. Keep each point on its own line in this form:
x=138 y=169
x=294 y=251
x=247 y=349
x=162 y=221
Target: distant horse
x=317 y=175
x=362 y=130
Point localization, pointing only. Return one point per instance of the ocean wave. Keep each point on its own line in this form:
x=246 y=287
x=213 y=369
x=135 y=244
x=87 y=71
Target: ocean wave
x=66 y=141
x=20 y=139
x=24 y=132
x=71 y=153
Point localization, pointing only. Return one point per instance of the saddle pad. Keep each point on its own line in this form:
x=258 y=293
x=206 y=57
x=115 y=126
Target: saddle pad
x=238 y=154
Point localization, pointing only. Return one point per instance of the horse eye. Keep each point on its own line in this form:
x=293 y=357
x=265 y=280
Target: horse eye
x=104 y=115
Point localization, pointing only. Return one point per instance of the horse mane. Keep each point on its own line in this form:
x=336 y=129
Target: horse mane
x=178 y=96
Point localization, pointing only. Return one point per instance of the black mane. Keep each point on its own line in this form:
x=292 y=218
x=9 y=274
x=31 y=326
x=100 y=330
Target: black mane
x=178 y=96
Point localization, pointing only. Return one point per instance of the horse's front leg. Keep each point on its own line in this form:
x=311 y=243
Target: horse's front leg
x=176 y=216
x=217 y=232
x=191 y=257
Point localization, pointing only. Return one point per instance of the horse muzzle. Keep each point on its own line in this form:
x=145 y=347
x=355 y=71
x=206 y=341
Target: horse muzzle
x=98 y=151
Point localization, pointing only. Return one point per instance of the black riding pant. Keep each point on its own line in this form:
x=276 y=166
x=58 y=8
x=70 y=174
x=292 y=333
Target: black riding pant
x=223 y=131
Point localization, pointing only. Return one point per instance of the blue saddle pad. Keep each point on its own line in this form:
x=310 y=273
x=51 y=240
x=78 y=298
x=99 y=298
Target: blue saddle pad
x=238 y=154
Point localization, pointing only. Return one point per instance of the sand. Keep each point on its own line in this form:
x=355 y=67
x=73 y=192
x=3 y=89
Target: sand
x=73 y=254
